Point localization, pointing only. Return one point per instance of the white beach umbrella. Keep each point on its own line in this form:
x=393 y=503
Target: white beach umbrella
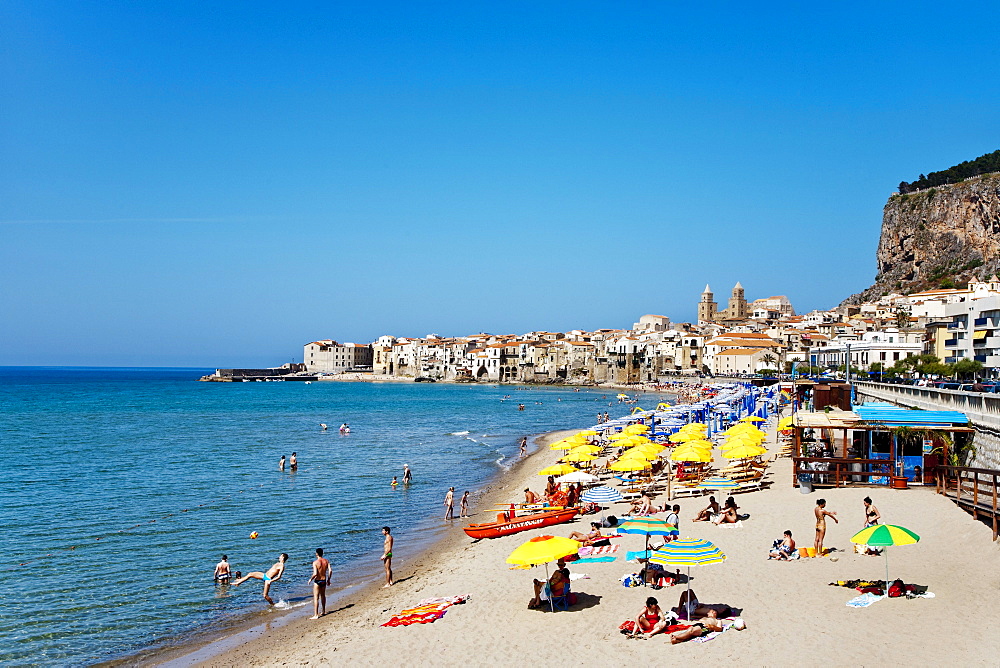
x=577 y=476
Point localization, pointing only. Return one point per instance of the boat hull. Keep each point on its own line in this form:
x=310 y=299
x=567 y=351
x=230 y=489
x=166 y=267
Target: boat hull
x=497 y=529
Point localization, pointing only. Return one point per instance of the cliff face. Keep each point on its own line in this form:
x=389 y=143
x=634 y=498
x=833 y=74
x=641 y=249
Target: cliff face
x=938 y=236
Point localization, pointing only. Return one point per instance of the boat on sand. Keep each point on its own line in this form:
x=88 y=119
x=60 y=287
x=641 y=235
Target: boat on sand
x=504 y=527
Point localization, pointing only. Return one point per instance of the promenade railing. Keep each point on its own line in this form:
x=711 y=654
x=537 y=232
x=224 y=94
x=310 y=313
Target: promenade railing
x=839 y=471
x=973 y=489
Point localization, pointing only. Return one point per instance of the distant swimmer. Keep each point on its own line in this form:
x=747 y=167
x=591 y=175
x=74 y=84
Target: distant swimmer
x=387 y=556
x=320 y=578
x=273 y=574
x=281 y=463
x=222 y=573
x=324 y=425
x=345 y=429
x=293 y=463
x=520 y=407
x=394 y=482
x=407 y=474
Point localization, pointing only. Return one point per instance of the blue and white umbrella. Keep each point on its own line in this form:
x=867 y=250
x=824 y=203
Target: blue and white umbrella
x=603 y=494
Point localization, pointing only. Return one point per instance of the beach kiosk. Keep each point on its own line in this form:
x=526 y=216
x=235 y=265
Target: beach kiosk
x=875 y=444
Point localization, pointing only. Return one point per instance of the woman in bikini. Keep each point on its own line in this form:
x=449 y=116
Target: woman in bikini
x=872 y=515
x=650 y=620
x=821 y=514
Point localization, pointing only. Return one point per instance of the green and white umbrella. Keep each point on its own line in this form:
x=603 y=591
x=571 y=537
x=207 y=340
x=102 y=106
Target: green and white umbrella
x=885 y=535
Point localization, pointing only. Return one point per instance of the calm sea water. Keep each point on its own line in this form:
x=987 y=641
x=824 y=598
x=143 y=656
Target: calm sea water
x=121 y=488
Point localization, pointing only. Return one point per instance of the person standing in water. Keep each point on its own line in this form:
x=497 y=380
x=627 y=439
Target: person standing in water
x=407 y=475
x=293 y=463
x=387 y=556
x=222 y=572
x=320 y=578
x=821 y=514
x=449 y=504
x=281 y=463
x=273 y=574
x=465 y=504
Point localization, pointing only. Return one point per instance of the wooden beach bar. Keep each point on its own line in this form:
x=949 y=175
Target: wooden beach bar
x=874 y=444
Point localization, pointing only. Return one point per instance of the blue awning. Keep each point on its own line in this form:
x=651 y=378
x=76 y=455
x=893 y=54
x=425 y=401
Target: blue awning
x=897 y=416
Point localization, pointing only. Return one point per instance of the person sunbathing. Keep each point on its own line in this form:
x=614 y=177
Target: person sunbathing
x=703 y=626
x=650 y=619
x=556 y=587
x=727 y=516
x=644 y=506
x=785 y=549
x=706 y=514
x=588 y=539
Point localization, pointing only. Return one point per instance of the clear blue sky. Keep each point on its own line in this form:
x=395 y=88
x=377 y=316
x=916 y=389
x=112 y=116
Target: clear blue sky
x=218 y=183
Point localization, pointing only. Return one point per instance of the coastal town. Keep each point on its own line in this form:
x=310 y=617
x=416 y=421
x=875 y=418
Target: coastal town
x=945 y=326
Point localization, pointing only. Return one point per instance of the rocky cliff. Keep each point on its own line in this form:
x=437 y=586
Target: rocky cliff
x=938 y=237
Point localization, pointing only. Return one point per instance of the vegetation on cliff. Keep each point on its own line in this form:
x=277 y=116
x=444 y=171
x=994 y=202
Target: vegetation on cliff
x=984 y=164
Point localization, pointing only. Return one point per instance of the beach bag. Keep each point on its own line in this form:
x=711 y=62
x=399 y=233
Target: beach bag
x=627 y=627
x=632 y=580
x=897 y=589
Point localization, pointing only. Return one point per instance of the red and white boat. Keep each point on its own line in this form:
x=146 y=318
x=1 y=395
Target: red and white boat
x=505 y=528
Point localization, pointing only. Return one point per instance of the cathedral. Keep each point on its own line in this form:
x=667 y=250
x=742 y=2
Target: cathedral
x=708 y=309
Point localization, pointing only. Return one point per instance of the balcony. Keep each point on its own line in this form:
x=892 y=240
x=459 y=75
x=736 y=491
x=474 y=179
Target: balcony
x=981 y=322
x=950 y=343
x=955 y=325
x=980 y=358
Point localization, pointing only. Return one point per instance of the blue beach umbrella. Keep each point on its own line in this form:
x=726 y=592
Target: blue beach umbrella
x=720 y=483
x=603 y=494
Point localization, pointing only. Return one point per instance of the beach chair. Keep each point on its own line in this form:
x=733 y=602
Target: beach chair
x=559 y=602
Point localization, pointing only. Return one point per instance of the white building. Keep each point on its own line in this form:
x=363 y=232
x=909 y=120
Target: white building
x=328 y=356
x=887 y=347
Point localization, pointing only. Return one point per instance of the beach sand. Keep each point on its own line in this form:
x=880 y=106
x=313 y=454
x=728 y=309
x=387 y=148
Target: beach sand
x=792 y=615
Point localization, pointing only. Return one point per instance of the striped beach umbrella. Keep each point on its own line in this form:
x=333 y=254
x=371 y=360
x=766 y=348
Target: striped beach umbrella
x=688 y=552
x=884 y=535
x=720 y=483
x=648 y=526
x=603 y=494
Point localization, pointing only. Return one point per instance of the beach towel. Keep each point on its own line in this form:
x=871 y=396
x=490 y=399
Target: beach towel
x=737 y=525
x=603 y=550
x=426 y=611
x=595 y=560
x=712 y=635
x=863 y=601
x=637 y=554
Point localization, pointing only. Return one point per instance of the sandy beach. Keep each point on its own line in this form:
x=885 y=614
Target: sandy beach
x=791 y=612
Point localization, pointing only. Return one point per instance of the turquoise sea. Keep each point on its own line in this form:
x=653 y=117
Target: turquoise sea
x=121 y=488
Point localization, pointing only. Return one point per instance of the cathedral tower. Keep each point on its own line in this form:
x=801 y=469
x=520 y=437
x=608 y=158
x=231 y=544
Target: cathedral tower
x=738 y=309
x=707 y=308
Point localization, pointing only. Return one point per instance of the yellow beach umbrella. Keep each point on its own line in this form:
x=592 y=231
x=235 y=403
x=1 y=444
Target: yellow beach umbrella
x=630 y=465
x=691 y=455
x=542 y=550
x=701 y=443
x=635 y=455
x=744 y=452
x=636 y=429
x=557 y=469
x=618 y=436
x=589 y=449
x=579 y=457
x=753 y=418
x=587 y=432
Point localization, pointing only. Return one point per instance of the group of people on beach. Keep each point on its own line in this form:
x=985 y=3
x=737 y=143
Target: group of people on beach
x=320 y=578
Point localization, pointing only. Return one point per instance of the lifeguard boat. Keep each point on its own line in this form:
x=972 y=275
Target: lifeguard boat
x=505 y=527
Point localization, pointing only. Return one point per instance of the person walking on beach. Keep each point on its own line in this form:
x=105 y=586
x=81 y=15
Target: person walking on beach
x=465 y=504
x=872 y=515
x=449 y=504
x=524 y=446
x=387 y=556
x=273 y=574
x=320 y=578
x=821 y=514
x=281 y=463
x=407 y=476
x=293 y=463
x=222 y=572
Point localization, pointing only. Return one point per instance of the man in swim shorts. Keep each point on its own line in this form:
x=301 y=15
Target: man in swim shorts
x=320 y=578
x=293 y=463
x=273 y=573
x=387 y=556
x=222 y=572
x=449 y=504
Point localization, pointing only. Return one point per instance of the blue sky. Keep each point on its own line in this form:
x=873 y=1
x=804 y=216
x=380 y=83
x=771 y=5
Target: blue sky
x=218 y=183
